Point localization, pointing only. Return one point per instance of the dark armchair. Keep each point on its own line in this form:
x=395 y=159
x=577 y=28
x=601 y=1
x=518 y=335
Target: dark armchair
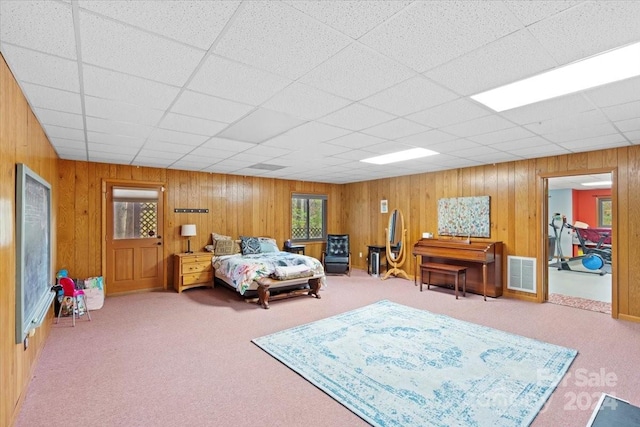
x=336 y=259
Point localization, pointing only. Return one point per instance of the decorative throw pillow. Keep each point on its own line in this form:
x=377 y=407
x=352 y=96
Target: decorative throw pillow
x=249 y=245
x=268 y=244
x=224 y=247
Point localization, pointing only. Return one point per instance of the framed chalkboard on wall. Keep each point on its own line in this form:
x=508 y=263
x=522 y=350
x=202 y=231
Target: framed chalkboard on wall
x=34 y=273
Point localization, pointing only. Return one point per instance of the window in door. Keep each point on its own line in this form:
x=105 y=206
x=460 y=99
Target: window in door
x=135 y=213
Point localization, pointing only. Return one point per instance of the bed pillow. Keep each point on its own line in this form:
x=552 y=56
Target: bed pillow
x=224 y=247
x=249 y=245
x=268 y=244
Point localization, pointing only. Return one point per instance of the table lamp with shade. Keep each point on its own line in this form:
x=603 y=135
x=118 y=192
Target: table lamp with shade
x=188 y=230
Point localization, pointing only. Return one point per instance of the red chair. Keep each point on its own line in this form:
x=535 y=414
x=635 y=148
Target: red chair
x=69 y=290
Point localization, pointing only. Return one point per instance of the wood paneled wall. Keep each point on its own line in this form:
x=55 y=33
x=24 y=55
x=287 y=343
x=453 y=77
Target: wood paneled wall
x=516 y=190
x=21 y=141
x=238 y=205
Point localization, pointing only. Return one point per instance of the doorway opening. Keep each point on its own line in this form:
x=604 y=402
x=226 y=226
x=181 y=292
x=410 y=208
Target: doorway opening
x=579 y=219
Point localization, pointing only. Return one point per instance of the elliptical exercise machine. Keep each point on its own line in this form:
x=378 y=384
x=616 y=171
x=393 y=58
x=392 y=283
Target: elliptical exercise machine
x=591 y=262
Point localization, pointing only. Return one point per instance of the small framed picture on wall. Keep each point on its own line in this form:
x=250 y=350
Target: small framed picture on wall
x=384 y=206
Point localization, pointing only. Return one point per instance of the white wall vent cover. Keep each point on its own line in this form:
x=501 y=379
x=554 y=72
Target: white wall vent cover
x=521 y=274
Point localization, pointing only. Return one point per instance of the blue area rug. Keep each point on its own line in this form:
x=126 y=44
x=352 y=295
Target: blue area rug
x=395 y=365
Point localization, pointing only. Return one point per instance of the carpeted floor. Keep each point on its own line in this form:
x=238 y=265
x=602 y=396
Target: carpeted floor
x=582 y=303
x=168 y=359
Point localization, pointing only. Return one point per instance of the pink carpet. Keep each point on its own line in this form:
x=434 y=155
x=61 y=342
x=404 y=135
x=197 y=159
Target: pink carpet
x=167 y=359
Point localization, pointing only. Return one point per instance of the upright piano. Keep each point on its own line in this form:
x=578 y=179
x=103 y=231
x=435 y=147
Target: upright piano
x=482 y=259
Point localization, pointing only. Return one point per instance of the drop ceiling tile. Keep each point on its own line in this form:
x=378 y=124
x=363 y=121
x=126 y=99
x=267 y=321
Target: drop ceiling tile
x=307 y=134
x=410 y=96
x=115 y=140
x=110 y=157
x=317 y=151
x=235 y=81
x=210 y=154
x=249 y=159
x=629 y=125
x=183 y=138
x=526 y=57
x=108 y=84
x=529 y=12
x=586 y=29
x=626 y=111
x=511 y=146
x=120 y=111
x=457 y=145
x=278 y=38
x=542 y=150
x=305 y=102
x=566 y=123
x=427 y=139
x=386 y=147
x=52 y=117
x=260 y=125
x=478 y=126
x=180 y=123
x=458 y=111
x=510 y=134
x=62 y=132
x=356 y=155
x=356 y=73
x=427 y=34
x=72 y=153
x=45 y=26
x=633 y=136
x=268 y=154
x=209 y=107
x=152 y=162
x=52 y=99
x=350 y=17
x=196 y=23
x=595 y=143
x=615 y=93
x=95 y=124
x=227 y=145
x=582 y=133
x=495 y=157
x=550 y=109
x=394 y=129
x=356 y=117
x=109 y=44
x=95 y=147
x=42 y=69
x=190 y=163
x=67 y=143
x=355 y=140
x=164 y=150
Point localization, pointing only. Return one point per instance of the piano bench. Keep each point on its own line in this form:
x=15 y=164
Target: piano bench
x=453 y=270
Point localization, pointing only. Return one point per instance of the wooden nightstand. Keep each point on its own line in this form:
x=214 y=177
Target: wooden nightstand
x=192 y=270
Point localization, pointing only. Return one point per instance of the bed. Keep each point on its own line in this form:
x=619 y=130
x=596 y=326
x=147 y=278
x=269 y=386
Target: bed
x=268 y=273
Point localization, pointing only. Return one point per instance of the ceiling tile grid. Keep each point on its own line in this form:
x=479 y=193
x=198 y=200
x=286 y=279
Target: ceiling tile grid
x=225 y=86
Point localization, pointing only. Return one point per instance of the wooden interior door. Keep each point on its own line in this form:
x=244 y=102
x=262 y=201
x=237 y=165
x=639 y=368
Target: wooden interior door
x=134 y=224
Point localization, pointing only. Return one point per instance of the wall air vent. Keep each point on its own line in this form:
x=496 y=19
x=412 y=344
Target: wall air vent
x=521 y=274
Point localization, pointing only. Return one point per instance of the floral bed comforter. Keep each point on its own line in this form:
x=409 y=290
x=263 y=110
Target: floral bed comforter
x=242 y=270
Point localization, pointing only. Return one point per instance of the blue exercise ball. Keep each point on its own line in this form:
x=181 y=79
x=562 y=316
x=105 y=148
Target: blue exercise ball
x=593 y=262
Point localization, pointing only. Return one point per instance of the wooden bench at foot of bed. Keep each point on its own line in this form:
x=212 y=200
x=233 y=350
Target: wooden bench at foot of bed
x=264 y=294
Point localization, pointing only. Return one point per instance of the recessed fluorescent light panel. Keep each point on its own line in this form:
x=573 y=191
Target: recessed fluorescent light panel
x=400 y=156
x=608 y=67
x=596 y=184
